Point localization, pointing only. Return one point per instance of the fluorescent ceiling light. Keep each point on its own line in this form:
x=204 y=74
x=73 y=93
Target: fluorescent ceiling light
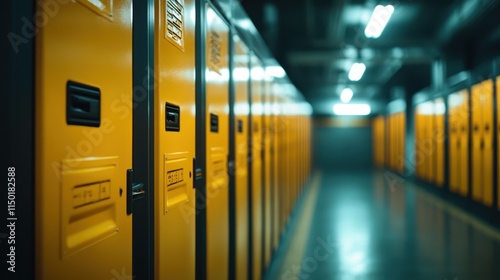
x=378 y=21
x=351 y=109
x=346 y=95
x=357 y=71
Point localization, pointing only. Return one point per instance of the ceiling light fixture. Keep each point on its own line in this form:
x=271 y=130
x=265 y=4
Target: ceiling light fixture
x=351 y=109
x=379 y=19
x=357 y=71
x=346 y=95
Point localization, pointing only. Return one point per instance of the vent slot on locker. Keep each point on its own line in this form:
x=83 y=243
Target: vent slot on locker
x=214 y=123
x=172 y=117
x=175 y=22
x=83 y=104
x=214 y=60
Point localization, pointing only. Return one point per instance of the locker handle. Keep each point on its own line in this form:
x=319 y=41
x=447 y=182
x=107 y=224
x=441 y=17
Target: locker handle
x=486 y=127
x=482 y=144
x=134 y=191
x=83 y=104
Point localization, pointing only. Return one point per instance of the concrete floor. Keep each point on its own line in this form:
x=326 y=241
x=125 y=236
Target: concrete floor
x=353 y=225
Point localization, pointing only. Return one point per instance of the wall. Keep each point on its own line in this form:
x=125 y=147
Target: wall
x=342 y=143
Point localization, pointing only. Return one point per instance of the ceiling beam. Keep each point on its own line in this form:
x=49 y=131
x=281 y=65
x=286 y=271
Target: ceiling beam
x=463 y=13
x=410 y=55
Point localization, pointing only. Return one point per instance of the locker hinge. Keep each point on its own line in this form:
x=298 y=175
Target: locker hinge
x=134 y=191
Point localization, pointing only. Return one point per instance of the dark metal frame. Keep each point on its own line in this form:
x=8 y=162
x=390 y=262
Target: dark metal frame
x=19 y=108
x=143 y=153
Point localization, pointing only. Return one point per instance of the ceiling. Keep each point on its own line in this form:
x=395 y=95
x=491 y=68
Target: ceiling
x=317 y=41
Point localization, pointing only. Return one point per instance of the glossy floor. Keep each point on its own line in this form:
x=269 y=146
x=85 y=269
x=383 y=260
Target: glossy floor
x=361 y=227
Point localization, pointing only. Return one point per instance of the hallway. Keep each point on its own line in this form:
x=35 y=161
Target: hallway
x=352 y=225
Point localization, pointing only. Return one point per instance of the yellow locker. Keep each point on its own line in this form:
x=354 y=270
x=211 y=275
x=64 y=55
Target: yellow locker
x=217 y=122
x=390 y=143
x=241 y=77
x=477 y=135
x=402 y=142
x=416 y=130
x=439 y=140
x=482 y=142
x=454 y=142
x=498 y=130
x=283 y=189
x=422 y=163
x=83 y=141
x=175 y=210
x=377 y=147
x=266 y=131
x=256 y=165
x=487 y=105
x=381 y=141
x=463 y=120
x=275 y=165
x=431 y=141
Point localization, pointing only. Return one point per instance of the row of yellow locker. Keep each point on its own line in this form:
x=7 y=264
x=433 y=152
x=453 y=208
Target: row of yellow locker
x=227 y=144
x=389 y=141
x=470 y=139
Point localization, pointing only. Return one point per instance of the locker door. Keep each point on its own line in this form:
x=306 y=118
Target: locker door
x=275 y=163
x=421 y=151
x=453 y=147
x=175 y=209
x=83 y=141
x=381 y=142
x=375 y=132
x=217 y=121
x=464 y=142
x=376 y=140
x=477 y=143
x=241 y=110
x=498 y=132
x=431 y=140
x=266 y=182
x=390 y=139
x=402 y=142
x=439 y=140
x=395 y=141
x=487 y=146
x=256 y=164
x=417 y=157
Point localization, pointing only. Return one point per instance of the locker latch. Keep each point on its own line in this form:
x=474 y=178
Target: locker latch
x=134 y=191
x=83 y=104
x=172 y=117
